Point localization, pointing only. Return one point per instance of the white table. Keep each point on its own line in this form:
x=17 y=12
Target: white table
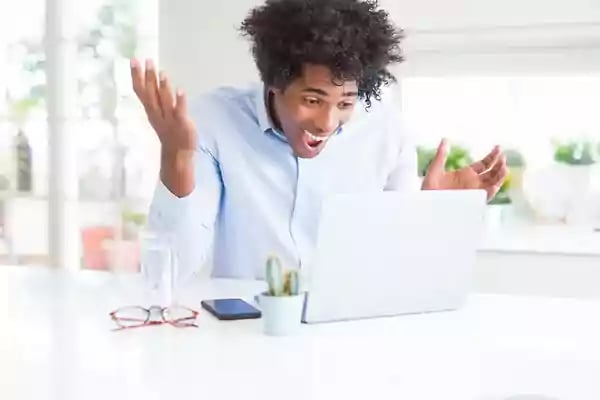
x=56 y=343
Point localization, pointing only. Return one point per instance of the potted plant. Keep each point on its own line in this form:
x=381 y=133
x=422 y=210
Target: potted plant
x=575 y=161
x=499 y=205
x=133 y=222
x=282 y=304
x=515 y=161
x=458 y=157
x=561 y=192
x=576 y=153
x=124 y=247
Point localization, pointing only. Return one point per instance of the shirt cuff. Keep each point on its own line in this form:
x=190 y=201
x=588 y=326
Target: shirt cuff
x=167 y=210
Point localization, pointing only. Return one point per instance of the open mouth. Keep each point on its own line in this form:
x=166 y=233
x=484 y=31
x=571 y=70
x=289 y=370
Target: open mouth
x=314 y=141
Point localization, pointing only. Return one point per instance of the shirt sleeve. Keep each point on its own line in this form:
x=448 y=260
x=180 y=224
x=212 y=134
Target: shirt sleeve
x=404 y=175
x=404 y=171
x=189 y=221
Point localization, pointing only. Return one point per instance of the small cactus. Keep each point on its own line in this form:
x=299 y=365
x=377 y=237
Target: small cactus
x=293 y=283
x=274 y=275
x=281 y=283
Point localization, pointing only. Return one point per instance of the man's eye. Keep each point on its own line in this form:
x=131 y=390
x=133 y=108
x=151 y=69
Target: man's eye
x=312 y=101
x=346 y=105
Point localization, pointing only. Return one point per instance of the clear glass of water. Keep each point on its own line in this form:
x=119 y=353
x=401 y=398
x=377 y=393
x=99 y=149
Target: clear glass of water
x=158 y=267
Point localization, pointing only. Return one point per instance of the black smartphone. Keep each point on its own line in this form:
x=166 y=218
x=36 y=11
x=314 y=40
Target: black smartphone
x=230 y=309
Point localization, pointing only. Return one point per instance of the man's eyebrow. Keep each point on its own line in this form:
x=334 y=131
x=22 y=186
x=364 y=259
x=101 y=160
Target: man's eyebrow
x=350 y=94
x=316 y=91
x=324 y=93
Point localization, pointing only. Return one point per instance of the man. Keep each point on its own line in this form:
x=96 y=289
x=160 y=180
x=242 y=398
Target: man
x=243 y=170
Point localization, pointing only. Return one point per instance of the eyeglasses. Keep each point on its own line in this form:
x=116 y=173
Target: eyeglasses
x=137 y=317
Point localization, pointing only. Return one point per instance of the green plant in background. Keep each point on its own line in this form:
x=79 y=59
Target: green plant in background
x=24 y=101
x=503 y=197
x=104 y=50
x=136 y=218
x=280 y=282
x=21 y=109
x=424 y=158
x=458 y=157
x=514 y=158
x=133 y=222
x=576 y=152
x=514 y=161
x=101 y=49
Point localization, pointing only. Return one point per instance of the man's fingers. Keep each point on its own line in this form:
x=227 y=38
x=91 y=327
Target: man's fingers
x=439 y=161
x=166 y=95
x=137 y=79
x=151 y=90
x=496 y=182
x=492 y=176
x=496 y=175
x=180 y=105
x=488 y=161
x=492 y=191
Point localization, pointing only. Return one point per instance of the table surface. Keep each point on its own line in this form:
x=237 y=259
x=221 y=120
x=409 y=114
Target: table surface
x=56 y=342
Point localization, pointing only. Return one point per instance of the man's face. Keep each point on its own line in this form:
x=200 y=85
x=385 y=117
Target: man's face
x=312 y=108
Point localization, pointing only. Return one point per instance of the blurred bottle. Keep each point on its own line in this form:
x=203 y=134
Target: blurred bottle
x=24 y=163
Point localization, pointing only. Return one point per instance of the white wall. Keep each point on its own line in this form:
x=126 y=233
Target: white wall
x=498 y=37
x=200 y=47
x=459 y=14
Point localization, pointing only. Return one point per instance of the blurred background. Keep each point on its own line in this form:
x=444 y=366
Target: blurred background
x=78 y=161
x=75 y=146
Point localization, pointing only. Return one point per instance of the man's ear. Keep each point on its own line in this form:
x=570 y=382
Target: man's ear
x=275 y=90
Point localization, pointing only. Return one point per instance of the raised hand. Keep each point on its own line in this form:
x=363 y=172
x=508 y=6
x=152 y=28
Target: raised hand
x=169 y=117
x=167 y=114
x=487 y=174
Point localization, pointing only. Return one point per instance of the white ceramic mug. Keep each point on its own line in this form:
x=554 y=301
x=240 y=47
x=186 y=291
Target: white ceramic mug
x=282 y=315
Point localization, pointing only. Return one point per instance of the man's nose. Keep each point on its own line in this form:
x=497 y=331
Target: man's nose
x=327 y=122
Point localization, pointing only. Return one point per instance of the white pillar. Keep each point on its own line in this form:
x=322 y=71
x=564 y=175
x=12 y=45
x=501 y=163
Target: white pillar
x=63 y=207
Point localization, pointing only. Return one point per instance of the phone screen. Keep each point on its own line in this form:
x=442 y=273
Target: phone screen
x=231 y=308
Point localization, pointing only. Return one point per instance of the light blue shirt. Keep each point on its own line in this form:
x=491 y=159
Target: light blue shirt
x=253 y=197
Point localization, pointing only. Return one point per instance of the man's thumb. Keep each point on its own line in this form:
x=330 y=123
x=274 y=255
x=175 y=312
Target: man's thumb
x=439 y=161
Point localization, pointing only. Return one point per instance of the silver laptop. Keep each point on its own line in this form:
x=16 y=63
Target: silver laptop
x=392 y=253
